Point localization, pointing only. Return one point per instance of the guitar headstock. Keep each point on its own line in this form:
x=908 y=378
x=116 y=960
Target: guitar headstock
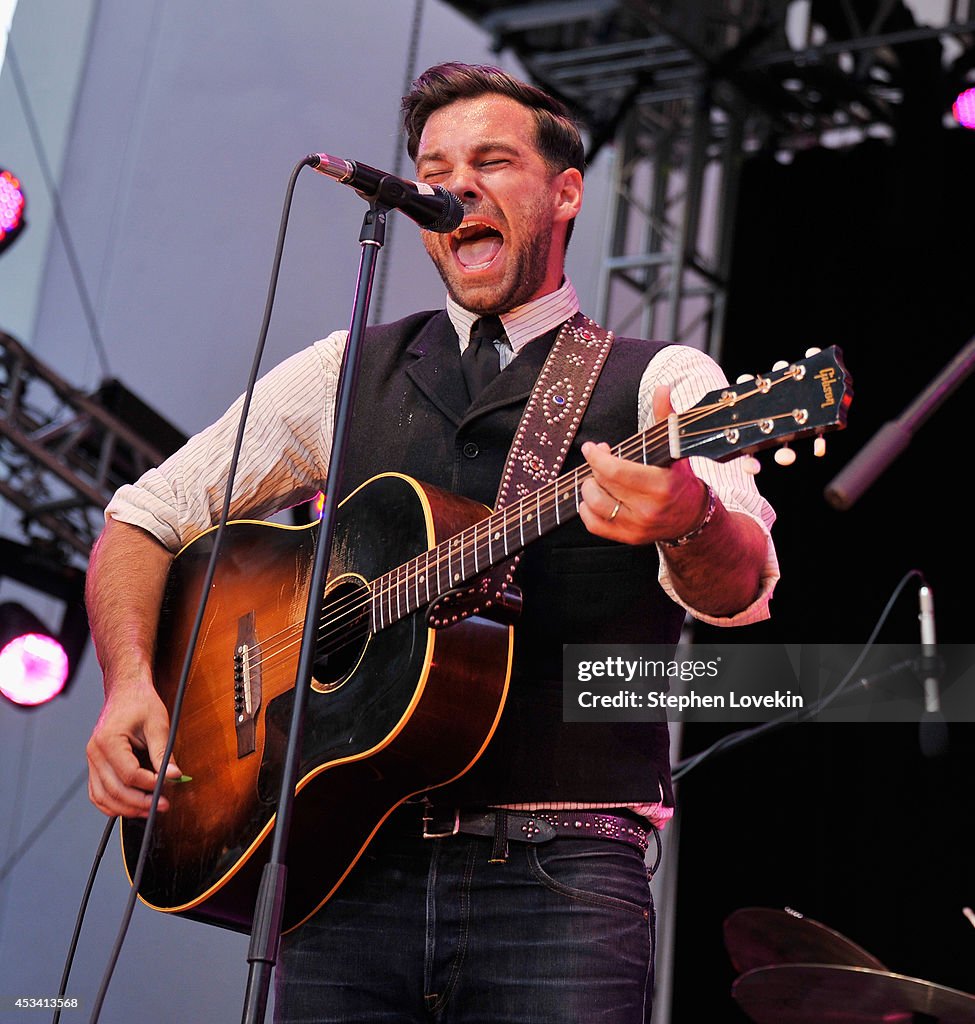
x=794 y=400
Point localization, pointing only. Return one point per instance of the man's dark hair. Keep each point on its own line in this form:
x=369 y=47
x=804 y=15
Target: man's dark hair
x=557 y=134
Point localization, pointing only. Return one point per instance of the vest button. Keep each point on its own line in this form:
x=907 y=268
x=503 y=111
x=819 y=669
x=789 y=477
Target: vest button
x=471 y=451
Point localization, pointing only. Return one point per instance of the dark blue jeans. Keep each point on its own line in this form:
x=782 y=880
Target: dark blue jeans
x=428 y=930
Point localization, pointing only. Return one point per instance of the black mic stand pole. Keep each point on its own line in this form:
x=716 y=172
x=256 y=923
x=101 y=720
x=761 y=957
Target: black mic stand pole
x=894 y=436
x=269 y=909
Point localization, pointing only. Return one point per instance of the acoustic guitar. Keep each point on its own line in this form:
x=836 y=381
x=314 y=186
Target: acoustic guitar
x=400 y=704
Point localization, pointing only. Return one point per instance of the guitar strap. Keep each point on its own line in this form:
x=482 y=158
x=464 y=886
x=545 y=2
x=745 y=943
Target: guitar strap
x=544 y=436
x=555 y=408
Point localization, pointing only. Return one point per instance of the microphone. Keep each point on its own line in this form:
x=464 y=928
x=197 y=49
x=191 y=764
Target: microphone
x=933 y=729
x=431 y=206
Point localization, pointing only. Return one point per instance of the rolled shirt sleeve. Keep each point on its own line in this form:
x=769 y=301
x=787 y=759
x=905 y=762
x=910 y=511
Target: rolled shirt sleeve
x=284 y=457
x=691 y=374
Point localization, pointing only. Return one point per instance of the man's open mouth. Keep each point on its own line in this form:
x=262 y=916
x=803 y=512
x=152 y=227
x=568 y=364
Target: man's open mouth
x=476 y=244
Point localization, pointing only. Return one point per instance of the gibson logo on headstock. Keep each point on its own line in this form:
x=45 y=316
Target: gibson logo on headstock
x=827 y=378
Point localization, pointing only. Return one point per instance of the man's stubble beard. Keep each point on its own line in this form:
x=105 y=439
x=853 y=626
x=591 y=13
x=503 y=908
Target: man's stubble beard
x=527 y=267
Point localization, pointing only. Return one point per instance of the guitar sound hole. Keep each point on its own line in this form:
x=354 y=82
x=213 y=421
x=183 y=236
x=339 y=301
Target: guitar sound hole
x=343 y=635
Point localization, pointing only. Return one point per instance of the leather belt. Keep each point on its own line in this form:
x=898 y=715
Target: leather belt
x=535 y=826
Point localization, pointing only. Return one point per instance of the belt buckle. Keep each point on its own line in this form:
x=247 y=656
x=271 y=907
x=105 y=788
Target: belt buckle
x=441 y=835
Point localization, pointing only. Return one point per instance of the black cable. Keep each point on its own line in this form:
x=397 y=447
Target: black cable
x=204 y=596
x=735 y=739
x=73 y=262
x=79 y=920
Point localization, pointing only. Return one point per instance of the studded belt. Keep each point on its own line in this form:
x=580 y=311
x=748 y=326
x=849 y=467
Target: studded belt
x=536 y=826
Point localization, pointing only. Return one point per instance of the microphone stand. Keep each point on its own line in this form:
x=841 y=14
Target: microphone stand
x=269 y=908
x=894 y=436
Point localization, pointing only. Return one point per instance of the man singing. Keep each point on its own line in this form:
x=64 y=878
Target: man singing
x=488 y=920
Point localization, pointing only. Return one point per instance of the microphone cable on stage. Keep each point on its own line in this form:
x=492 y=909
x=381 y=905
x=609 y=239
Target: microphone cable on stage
x=735 y=739
x=204 y=594
x=82 y=910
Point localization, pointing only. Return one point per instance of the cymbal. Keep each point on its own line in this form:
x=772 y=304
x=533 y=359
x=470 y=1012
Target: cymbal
x=830 y=994
x=760 y=936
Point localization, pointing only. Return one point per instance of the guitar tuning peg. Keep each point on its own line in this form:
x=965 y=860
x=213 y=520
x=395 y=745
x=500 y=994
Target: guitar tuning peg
x=751 y=465
x=780 y=365
x=812 y=352
x=745 y=378
x=819 y=447
x=785 y=456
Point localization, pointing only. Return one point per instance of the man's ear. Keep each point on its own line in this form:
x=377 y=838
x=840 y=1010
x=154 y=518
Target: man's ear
x=569 y=194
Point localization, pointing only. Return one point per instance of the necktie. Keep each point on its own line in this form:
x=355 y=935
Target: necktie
x=480 y=360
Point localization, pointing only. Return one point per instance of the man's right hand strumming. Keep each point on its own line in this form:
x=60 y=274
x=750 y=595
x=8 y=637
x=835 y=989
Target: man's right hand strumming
x=126 y=579
x=131 y=732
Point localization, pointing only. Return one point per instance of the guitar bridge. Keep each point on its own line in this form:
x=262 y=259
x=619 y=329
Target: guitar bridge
x=247 y=685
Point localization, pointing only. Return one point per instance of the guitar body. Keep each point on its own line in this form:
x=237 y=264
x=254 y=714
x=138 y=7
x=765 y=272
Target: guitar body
x=391 y=713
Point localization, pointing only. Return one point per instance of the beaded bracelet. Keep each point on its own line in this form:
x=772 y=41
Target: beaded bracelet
x=679 y=542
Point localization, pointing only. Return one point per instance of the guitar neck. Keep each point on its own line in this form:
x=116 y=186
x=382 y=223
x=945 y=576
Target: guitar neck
x=794 y=400
x=463 y=557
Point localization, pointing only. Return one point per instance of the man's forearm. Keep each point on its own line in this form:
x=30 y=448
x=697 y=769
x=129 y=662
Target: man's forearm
x=719 y=572
x=126 y=580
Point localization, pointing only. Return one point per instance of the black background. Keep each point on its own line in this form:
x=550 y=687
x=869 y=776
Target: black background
x=872 y=249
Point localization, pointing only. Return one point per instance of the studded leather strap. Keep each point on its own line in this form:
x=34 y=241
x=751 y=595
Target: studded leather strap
x=554 y=410
x=553 y=413
x=544 y=436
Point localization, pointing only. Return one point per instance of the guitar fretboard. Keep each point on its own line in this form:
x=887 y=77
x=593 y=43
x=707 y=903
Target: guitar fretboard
x=814 y=397
x=464 y=556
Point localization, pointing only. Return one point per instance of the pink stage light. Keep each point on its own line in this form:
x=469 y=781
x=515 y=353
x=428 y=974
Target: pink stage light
x=12 y=204
x=964 y=108
x=33 y=669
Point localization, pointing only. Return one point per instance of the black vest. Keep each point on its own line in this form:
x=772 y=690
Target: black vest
x=411 y=416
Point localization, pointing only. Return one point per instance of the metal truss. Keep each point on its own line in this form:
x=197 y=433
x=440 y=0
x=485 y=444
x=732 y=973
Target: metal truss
x=685 y=90
x=62 y=453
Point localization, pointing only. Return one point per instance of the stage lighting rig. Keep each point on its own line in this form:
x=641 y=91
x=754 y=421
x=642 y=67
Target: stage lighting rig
x=63 y=453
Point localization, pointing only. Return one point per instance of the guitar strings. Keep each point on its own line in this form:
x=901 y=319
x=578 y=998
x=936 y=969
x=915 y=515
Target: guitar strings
x=458 y=546
x=465 y=544
x=333 y=633
x=462 y=546
x=468 y=538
